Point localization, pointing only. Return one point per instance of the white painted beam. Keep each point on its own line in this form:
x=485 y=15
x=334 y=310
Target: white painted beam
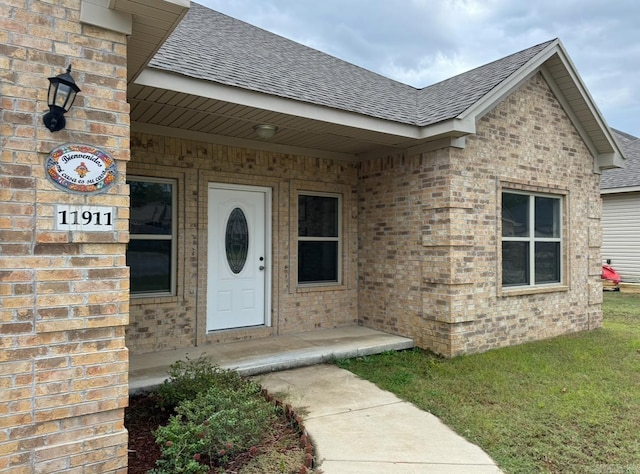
x=98 y=13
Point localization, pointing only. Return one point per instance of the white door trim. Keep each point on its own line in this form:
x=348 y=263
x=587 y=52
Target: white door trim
x=268 y=192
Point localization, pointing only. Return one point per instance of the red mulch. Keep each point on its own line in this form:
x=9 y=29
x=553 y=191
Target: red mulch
x=142 y=418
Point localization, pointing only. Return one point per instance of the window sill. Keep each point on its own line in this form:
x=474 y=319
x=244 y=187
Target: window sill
x=532 y=290
x=320 y=287
x=149 y=298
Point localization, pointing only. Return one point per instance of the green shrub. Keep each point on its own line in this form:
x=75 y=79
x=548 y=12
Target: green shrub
x=187 y=378
x=218 y=415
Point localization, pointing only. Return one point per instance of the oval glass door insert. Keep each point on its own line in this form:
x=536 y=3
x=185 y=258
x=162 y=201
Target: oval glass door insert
x=236 y=241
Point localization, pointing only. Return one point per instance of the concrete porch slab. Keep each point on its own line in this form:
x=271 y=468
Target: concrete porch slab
x=271 y=354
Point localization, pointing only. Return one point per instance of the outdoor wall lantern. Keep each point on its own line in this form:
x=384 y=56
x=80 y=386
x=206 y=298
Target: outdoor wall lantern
x=62 y=93
x=265 y=131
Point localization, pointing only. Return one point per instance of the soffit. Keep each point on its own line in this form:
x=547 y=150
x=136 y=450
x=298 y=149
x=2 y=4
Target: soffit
x=216 y=117
x=561 y=75
x=152 y=23
x=580 y=102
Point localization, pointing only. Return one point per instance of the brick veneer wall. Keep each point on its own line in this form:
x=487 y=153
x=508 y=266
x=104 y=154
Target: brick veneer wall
x=162 y=323
x=64 y=295
x=429 y=261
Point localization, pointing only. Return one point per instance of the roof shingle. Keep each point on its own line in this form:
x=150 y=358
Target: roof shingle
x=629 y=176
x=231 y=52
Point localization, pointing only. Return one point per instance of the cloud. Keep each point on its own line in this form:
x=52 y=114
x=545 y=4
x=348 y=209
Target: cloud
x=420 y=42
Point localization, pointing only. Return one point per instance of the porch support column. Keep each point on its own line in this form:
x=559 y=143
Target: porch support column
x=64 y=293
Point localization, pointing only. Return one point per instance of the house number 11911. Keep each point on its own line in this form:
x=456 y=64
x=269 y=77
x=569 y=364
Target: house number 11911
x=84 y=218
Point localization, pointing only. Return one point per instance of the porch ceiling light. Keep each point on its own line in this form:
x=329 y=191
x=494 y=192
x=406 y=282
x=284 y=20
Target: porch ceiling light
x=62 y=93
x=265 y=131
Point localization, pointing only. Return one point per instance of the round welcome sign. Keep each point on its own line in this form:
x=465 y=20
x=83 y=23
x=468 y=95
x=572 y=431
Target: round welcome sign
x=81 y=168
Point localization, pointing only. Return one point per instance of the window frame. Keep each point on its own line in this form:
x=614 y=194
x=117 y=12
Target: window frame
x=532 y=239
x=173 y=258
x=338 y=239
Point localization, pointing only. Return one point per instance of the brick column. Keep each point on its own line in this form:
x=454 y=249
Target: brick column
x=64 y=298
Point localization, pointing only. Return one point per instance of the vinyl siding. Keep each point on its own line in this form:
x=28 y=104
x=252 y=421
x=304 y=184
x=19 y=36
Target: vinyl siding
x=621 y=233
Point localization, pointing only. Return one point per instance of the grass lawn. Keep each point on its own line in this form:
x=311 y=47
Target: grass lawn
x=565 y=405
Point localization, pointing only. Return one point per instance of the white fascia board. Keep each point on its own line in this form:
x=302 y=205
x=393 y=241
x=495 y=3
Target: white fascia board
x=164 y=131
x=449 y=128
x=99 y=13
x=180 y=3
x=602 y=161
x=607 y=161
x=612 y=158
x=535 y=65
x=447 y=142
x=577 y=80
x=435 y=144
x=506 y=87
x=629 y=189
x=187 y=85
x=236 y=95
x=548 y=77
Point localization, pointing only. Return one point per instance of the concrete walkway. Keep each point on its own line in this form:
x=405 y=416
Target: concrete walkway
x=357 y=428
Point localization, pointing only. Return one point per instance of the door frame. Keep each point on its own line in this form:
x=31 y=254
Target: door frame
x=268 y=238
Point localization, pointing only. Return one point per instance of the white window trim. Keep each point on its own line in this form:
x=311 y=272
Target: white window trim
x=172 y=237
x=532 y=239
x=302 y=192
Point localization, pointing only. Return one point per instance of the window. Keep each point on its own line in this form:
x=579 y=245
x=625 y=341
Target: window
x=319 y=239
x=152 y=245
x=531 y=239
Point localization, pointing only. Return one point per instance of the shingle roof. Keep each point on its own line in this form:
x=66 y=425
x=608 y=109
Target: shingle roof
x=629 y=176
x=231 y=52
x=449 y=98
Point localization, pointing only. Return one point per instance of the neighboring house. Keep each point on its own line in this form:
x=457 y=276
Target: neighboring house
x=620 y=190
x=465 y=215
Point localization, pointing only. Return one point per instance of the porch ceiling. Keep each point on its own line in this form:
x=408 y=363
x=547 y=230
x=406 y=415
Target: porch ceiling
x=213 y=119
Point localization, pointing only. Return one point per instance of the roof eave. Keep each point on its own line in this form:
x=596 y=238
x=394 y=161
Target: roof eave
x=626 y=189
x=608 y=161
x=599 y=141
x=506 y=87
x=162 y=79
x=455 y=127
x=148 y=23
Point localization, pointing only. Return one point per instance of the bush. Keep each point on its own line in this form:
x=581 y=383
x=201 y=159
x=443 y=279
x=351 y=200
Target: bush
x=190 y=377
x=229 y=416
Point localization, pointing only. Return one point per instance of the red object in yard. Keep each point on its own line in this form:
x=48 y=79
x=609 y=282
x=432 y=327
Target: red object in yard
x=608 y=273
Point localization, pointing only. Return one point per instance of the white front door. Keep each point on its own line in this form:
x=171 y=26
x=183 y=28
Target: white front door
x=237 y=263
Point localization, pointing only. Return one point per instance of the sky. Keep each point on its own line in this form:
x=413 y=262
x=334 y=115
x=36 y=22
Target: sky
x=421 y=42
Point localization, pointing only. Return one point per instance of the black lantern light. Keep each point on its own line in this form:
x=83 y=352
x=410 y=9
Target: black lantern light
x=62 y=93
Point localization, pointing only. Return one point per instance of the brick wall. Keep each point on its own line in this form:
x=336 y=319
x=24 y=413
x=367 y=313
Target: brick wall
x=63 y=295
x=162 y=323
x=429 y=262
x=421 y=235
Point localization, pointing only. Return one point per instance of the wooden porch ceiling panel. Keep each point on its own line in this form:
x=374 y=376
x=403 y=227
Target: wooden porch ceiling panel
x=215 y=117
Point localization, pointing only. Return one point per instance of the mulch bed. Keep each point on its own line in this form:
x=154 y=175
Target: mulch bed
x=142 y=418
